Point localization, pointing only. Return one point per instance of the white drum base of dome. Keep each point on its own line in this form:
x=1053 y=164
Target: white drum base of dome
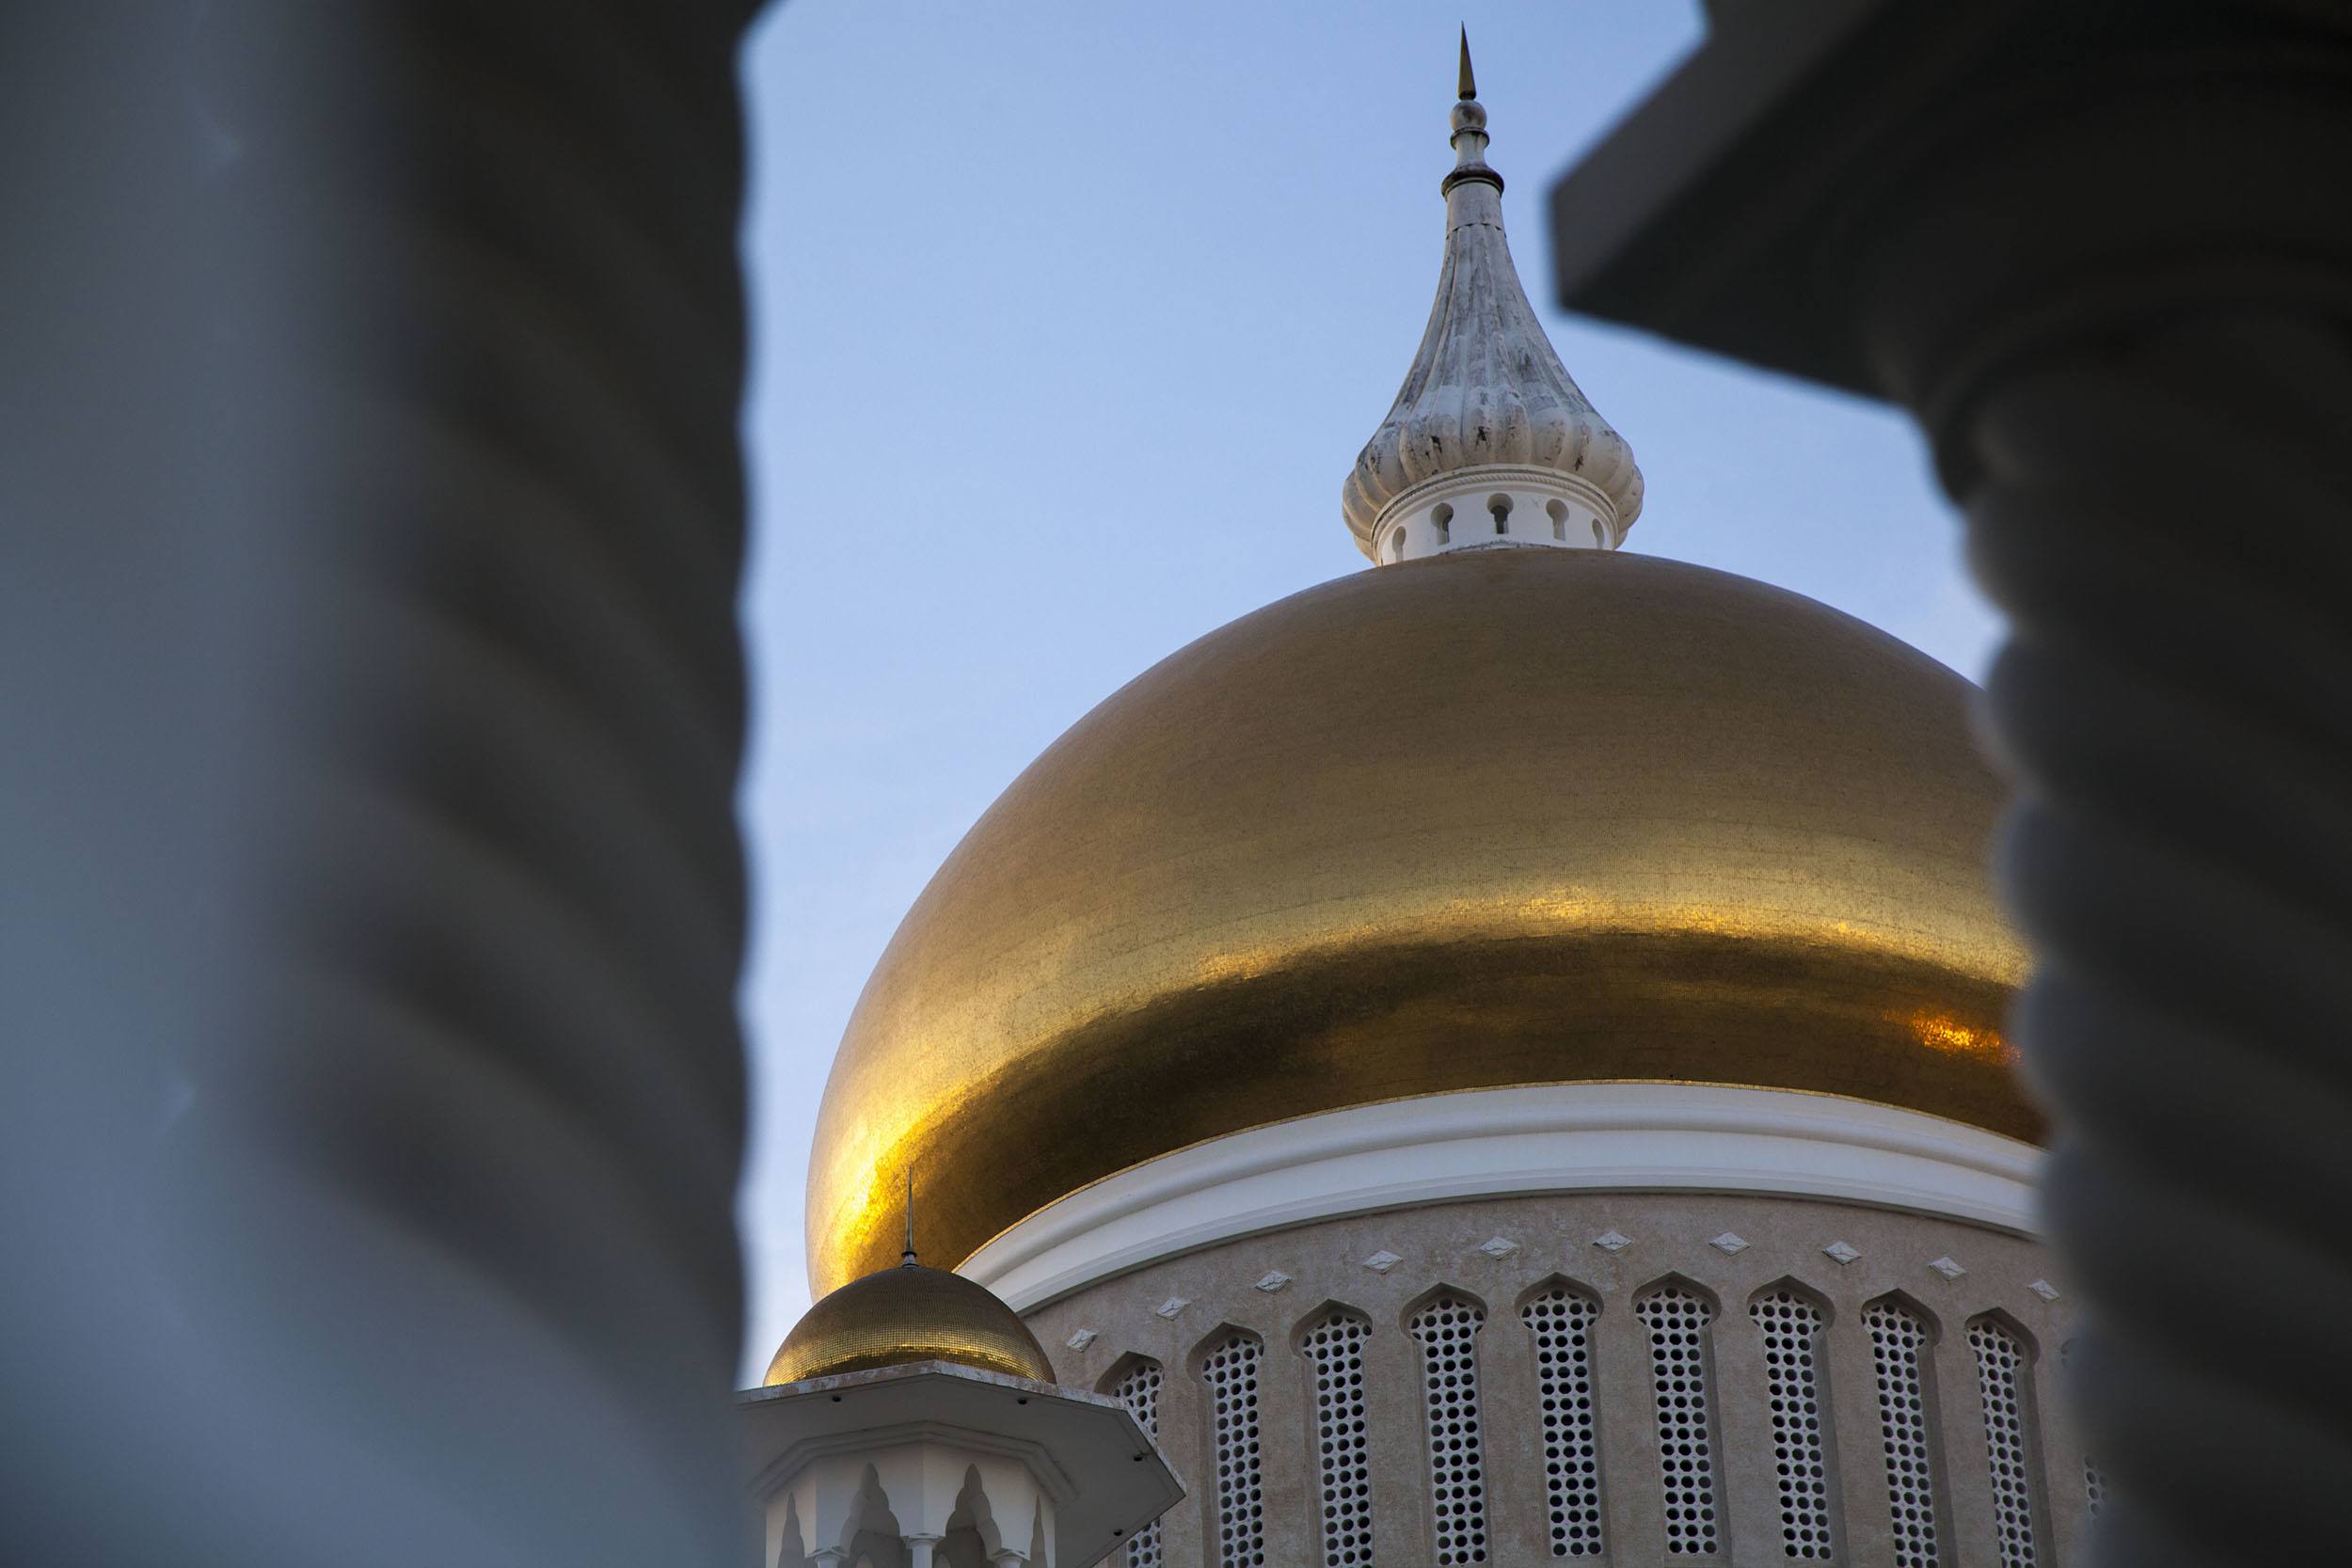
x=1564 y=1137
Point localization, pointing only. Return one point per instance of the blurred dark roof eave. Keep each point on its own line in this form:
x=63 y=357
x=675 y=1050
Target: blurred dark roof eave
x=1718 y=213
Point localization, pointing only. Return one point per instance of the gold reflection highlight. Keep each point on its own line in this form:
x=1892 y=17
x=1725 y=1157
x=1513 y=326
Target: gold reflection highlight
x=1511 y=817
x=1938 y=1032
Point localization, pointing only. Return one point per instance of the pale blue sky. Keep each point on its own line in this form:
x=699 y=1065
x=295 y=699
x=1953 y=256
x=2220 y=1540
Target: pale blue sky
x=1069 y=320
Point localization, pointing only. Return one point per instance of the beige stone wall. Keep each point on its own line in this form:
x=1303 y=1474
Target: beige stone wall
x=1173 y=1313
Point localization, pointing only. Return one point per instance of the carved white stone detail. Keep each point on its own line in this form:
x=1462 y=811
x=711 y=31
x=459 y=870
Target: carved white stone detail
x=1081 y=1340
x=1728 y=1244
x=1275 y=1280
x=1498 y=1247
x=1841 y=1253
x=913 y=1453
x=2044 y=1289
x=1613 y=1241
x=1487 y=409
x=1172 y=1305
x=1948 y=1269
x=1382 y=1261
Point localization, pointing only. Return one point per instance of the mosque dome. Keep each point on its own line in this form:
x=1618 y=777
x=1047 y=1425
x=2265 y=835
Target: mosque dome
x=1452 y=1005
x=1487 y=819
x=1508 y=810
x=905 y=1314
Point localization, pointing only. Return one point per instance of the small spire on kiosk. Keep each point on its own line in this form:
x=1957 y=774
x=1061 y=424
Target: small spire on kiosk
x=908 y=1255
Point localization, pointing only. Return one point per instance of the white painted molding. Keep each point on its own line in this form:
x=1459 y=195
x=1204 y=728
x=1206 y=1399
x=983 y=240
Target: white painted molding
x=1542 y=509
x=894 y=1449
x=1485 y=1142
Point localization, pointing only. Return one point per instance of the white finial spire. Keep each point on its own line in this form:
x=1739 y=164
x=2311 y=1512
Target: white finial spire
x=1489 y=442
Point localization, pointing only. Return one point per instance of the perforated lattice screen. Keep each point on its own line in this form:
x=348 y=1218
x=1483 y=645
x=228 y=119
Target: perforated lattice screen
x=1336 y=1347
x=1448 y=1330
x=1139 y=1392
x=1676 y=1320
x=1562 y=1321
x=1792 y=1326
x=1231 y=1375
x=1899 y=1340
x=2001 y=1375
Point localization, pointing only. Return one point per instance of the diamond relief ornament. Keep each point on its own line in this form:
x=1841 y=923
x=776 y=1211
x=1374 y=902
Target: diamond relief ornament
x=1498 y=1247
x=1172 y=1305
x=1275 y=1280
x=1948 y=1269
x=1841 y=1253
x=2044 y=1289
x=1728 y=1244
x=1081 y=1340
x=1613 y=1241
x=1381 y=1263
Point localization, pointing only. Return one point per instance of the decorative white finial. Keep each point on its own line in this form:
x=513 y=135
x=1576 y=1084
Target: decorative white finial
x=1489 y=442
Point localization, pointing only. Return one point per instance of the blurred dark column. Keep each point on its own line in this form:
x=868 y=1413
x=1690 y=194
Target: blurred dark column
x=375 y=903
x=118 y=923
x=2104 y=252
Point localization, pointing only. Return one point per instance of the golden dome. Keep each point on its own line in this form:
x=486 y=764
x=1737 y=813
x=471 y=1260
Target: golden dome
x=908 y=1313
x=1489 y=818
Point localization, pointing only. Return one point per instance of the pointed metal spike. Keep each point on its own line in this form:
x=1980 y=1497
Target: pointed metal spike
x=908 y=1256
x=1470 y=84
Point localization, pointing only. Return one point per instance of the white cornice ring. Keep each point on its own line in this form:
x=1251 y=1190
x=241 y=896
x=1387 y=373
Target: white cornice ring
x=1485 y=1142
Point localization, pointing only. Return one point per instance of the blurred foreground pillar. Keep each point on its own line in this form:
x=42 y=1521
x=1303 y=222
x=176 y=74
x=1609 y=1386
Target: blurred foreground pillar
x=374 y=901
x=2103 y=251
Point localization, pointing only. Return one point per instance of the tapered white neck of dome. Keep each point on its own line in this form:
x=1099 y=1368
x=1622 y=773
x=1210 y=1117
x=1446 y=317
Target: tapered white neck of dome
x=1489 y=445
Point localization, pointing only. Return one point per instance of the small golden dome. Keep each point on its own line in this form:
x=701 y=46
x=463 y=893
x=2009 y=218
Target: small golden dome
x=1494 y=817
x=903 y=1314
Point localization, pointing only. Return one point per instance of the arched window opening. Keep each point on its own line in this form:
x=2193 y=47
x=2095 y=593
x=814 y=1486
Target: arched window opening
x=1498 y=508
x=1441 y=519
x=1678 y=1319
x=1139 y=1392
x=1230 y=1372
x=1793 y=1330
x=1561 y=1319
x=1335 y=1346
x=1448 y=1331
x=2003 y=1378
x=1396 y=544
x=1898 y=1342
x=1558 y=509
